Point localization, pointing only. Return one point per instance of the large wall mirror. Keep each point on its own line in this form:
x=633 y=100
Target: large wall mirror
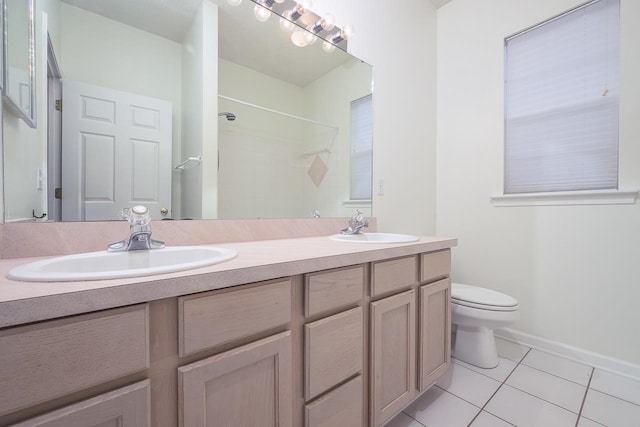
x=194 y=108
x=19 y=59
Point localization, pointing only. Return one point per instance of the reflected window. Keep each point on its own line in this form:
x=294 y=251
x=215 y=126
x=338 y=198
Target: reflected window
x=361 y=148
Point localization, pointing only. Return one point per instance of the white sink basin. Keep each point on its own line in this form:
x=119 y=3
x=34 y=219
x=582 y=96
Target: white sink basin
x=115 y=265
x=374 y=238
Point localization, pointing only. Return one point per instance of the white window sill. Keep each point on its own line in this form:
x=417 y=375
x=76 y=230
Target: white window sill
x=563 y=198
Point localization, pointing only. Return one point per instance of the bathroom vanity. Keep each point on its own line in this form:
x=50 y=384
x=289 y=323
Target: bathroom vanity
x=292 y=332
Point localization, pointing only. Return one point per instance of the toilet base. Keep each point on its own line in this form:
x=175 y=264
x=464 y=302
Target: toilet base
x=476 y=346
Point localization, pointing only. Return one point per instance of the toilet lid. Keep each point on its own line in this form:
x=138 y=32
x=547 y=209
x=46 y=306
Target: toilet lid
x=475 y=296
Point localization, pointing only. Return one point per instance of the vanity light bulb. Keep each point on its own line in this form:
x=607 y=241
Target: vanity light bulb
x=286 y=25
x=234 y=2
x=309 y=37
x=328 y=47
x=298 y=38
x=262 y=14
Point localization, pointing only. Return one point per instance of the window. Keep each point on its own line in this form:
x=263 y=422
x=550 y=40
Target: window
x=561 y=102
x=361 y=148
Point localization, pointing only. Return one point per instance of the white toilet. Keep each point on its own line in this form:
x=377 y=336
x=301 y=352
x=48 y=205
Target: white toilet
x=476 y=312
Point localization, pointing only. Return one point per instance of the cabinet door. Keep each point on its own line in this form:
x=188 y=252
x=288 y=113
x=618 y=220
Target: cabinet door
x=435 y=332
x=393 y=350
x=125 y=407
x=249 y=386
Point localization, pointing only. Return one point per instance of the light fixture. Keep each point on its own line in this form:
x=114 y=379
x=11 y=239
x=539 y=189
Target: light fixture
x=303 y=25
x=262 y=13
x=298 y=37
x=328 y=47
x=234 y=2
x=302 y=7
x=286 y=25
x=309 y=37
x=326 y=23
x=344 y=34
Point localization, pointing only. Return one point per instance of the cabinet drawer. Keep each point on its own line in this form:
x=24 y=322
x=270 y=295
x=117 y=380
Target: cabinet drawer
x=333 y=351
x=435 y=265
x=213 y=318
x=125 y=407
x=332 y=290
x=47 y=360
x=341 y=407
x=393 y=275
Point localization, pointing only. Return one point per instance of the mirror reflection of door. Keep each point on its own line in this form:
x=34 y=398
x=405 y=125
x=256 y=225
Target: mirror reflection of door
x=116 y=152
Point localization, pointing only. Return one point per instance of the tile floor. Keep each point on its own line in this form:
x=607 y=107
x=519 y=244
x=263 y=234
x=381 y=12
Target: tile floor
x=528 y=388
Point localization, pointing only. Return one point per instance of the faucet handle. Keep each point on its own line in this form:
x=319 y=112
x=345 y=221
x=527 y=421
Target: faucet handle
x=137 y=215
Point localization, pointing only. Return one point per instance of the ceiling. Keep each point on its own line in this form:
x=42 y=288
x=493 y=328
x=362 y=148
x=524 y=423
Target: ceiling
x=242 y=39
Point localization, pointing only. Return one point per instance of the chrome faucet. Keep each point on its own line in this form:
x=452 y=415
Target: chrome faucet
x=139 y=219
x=356 y=223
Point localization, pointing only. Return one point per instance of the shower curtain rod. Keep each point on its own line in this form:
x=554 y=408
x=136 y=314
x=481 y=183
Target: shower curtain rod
x=259 y=107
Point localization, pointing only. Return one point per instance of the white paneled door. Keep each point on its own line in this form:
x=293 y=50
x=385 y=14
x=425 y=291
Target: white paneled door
x=116 y=152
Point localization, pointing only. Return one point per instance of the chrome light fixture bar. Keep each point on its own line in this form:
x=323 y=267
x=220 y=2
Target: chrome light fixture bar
x=294 y=13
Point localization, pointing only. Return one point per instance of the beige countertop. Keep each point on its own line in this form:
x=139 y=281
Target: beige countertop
x=26 y=302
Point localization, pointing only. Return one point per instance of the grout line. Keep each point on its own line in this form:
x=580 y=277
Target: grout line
x=614 y=396
x=562 y=378
x=498 y=389
x=584 y=399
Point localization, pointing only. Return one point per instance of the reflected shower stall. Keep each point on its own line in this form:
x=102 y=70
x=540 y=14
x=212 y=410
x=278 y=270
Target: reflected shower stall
x=274 y=164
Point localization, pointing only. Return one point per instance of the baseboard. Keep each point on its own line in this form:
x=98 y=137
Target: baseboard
x=587 y=357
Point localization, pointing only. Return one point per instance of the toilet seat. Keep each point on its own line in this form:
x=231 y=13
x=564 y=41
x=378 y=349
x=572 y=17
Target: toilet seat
x=482 y=298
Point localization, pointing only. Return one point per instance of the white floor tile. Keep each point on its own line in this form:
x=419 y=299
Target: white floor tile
x=524 y=410
x=585 y=422
x=610 y=411
x=403 y=420
x=559 y=366
x=510 y=350
x=468 y=385
x=438 y=408
x=616 y=385
x=485 y=419
x=499 y=373
x=559 y=391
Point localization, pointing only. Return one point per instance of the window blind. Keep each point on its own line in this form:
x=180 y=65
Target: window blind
x=361 y=148
x=561 y=102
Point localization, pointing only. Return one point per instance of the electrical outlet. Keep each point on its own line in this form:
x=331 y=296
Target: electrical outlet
x=380 y=191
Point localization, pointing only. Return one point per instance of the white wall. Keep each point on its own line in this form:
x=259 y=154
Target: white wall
x=572 y=268
x=200 y=89
x=399 y=41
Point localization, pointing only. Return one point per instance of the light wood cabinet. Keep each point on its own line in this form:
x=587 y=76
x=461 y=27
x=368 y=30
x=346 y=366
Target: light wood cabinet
x=249 y=386
x=350 y=346
x=125 y=407
x=393 y=352
x=434 y=332
x=410 y=331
